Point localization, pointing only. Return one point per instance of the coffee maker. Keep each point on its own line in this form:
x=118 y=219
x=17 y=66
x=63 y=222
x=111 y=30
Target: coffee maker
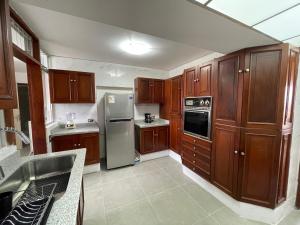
x=148 y=118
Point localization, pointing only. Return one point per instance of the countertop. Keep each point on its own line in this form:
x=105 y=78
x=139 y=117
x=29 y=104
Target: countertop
x=64 y=210
x=81 y=128
x=155 y=123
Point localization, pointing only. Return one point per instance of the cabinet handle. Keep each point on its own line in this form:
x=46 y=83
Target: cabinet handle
x=243 y=153
x=240 y=71
x=194 y=168
x=195 y=80
x=194 y=141
x=74 y=80
x=78 y=144
x=236 y=152
x=247 y=70
x=194 y=161
x=75 y=145
x=194 y=155
x=71 y=81
x=194 y=148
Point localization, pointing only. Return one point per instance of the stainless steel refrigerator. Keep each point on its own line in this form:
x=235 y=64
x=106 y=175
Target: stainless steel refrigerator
x=119 y=130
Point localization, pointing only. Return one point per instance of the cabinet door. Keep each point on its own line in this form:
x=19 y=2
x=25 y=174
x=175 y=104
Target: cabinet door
x=161 y=138
x=143 y=90
x=157 y=91
x=225 y=158
x=8 y=97
x=147 y=140
x=90 y=141
x=85 y=87
x=63 y=143
x=61 y=86
x=258 y=167
x=264 y=87
x=175 y=133
x=176 y=95
x=203 y=81
x=189 y=78
x=228 y=89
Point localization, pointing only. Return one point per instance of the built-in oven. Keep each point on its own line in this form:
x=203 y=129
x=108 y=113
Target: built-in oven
x=197 y=116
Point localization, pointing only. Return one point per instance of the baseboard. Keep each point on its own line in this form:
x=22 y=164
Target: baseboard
x=91 y=168
x=154 y=155
x=175 y=156
x=245 y=210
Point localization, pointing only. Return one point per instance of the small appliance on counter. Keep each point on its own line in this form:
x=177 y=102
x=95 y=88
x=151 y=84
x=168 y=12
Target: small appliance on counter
x=70 y=123
x=149 y=118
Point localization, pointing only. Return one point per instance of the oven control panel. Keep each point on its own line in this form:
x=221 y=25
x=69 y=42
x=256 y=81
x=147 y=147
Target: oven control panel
x=198 y=102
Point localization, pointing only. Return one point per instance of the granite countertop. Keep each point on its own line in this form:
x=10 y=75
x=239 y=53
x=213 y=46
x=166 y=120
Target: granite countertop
x=81 y=128
x=64 y=210
x=155 y=123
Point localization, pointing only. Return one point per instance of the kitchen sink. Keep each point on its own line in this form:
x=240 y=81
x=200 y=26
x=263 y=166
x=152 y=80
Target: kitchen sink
x=40 y=172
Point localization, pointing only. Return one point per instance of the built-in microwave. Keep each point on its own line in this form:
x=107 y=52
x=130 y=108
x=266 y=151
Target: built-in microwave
x=197 y=116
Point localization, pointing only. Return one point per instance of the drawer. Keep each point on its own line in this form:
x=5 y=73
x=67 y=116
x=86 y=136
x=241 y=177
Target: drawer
x=194 y=154
x=196 y=141
x=200 y=150
x=200 y=171
x=195 y=159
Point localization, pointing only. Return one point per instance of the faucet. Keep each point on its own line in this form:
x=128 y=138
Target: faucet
x=20 y=134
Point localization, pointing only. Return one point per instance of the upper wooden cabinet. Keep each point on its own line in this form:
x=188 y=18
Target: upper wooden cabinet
x=148 y=91
x=197 y=80
x=71 y=86
x=8 y=97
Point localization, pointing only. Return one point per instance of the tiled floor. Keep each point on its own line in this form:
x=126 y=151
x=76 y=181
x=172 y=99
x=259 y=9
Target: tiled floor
x=155 y=193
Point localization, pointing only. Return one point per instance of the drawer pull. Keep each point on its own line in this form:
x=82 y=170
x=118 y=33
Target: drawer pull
x=194 y=148
x=194 y=155
x=194 y=161
x=194 y=168
x=194 y=141
x=75 y=145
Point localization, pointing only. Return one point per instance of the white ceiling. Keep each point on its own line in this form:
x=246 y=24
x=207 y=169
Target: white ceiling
x=178 y=30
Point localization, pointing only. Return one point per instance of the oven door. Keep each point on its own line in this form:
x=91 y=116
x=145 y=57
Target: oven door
x=198 y=123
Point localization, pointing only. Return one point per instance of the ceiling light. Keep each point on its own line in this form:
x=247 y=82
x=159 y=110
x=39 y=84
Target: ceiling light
x=251 y=12
x=135 y=47
x=282 y=26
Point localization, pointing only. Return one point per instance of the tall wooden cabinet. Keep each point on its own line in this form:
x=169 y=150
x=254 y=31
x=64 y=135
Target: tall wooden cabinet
x=72 y=86
x=8 y=97
x=253 y=104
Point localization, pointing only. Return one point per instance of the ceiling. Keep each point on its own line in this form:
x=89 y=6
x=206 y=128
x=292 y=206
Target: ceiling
x=179 y=31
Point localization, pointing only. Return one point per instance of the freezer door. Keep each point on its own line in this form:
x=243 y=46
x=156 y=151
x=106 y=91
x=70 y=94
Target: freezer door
x=118 y=106
x=120 y=143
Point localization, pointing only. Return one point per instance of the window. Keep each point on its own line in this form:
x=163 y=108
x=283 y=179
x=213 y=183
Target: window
x=47 y=103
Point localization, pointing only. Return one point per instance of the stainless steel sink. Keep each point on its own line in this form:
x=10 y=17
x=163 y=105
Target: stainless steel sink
x=36 y=170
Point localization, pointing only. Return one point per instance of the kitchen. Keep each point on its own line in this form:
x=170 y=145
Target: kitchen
x=132 y=119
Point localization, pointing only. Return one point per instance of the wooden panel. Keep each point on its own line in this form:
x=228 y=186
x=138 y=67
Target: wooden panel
x=224 y=159
x=189 y=79
x=264 y=75
x=175 y=133
x=196 y=169
x=143 y=90
x=158 y=91
x=161 y=140
x=85 y=87
x=8 y=98
x=228 y=89
x=90 y=141
x=258 y=167
x=64 y=143
x=176 y=95
x=147 y=140
x=60 y=86
x=165 y=108
x=203 y=81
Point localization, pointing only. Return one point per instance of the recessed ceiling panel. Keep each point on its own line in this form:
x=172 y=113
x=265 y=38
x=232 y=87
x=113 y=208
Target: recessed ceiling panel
x=282 y=26
x=294 y=41
x=251 y=12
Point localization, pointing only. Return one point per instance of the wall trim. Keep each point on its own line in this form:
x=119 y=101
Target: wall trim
x=91 y=168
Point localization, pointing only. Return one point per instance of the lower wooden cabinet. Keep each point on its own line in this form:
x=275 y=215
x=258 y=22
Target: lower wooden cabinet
x=175 y=133
x=90 y=141
x=251 y=165
x=151 y=139
x=196 y=155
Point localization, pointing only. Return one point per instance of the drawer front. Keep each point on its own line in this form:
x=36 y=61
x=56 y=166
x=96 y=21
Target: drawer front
x=196 y=141
x=202 y=151
x=200 y=171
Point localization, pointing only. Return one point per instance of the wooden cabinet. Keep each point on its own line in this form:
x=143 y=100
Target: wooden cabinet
x=151 y=139
x=8 y=97
x=148 y=91
x=72 y=87
x=175 y=133
x=254 y=95
x=90 y=141
x=196 y=155
x=197 y=80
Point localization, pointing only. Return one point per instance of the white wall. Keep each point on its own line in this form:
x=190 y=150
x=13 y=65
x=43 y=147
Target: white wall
x=179 y=70
x=106 y=75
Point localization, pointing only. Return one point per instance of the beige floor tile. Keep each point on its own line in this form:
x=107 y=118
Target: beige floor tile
x=139 y=213
x=94 y=211
x=292 y=219
x=108 y=176
x=153 y=183
x=121 y=192
x=177 y=175
x=227 y=217
x=207 y=221
x=92 y=179
x=208 y=202
x=167 y=162
x=174 y=207
x=146 y=167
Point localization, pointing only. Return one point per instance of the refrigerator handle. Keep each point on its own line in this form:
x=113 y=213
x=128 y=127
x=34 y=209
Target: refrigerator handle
x=119 y=120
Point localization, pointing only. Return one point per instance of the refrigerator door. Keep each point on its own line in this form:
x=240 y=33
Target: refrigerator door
x=118 y=106
x=120 y=143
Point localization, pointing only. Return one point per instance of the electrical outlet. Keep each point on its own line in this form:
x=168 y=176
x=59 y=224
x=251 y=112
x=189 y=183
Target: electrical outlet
x=91 y=120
